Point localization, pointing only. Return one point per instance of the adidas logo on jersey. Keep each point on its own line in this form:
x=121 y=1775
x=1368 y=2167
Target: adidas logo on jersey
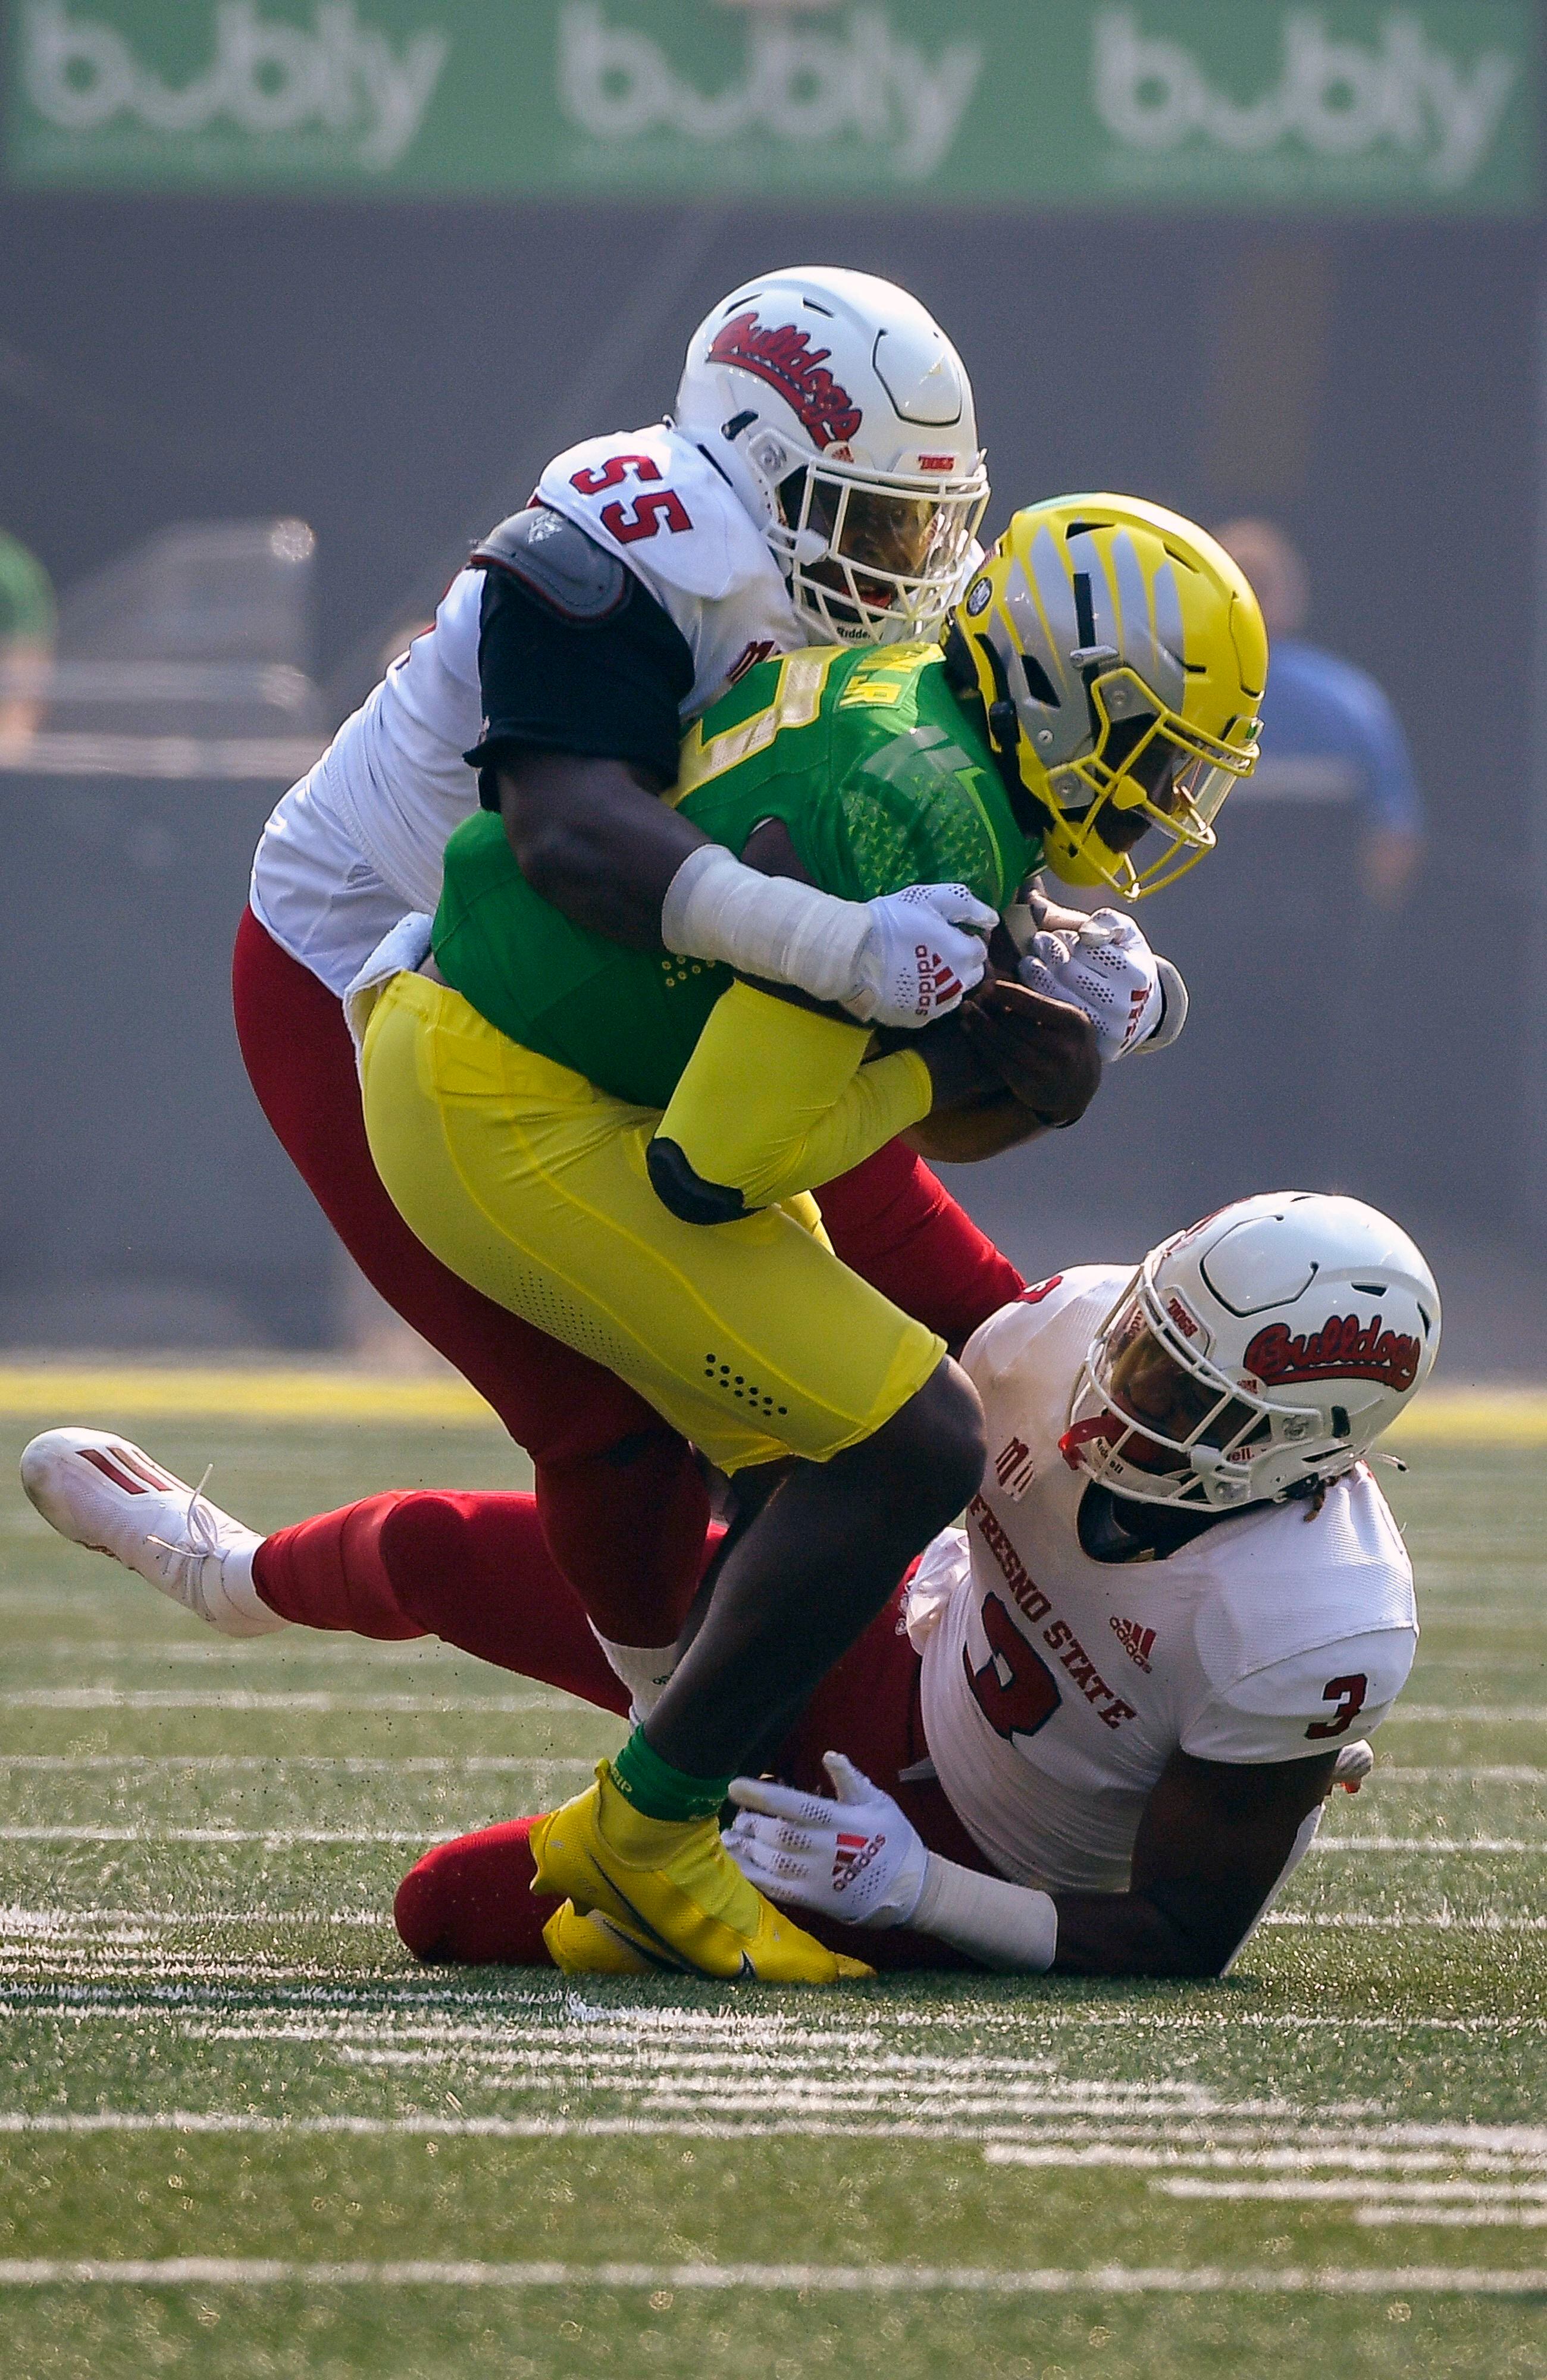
x=851 y=1856
x=1137 y=1643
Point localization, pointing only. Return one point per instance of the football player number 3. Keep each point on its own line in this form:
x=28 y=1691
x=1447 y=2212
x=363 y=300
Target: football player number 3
x=1015 y=1689
x=647 y=513
x=1349 y=1693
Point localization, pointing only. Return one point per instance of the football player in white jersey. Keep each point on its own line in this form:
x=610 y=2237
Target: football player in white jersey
x=1110 y=1710
x=821 y=481
x=1128 y=1683
x=1095 y=1729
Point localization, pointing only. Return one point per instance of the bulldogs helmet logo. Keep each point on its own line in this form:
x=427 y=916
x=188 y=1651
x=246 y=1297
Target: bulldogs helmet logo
x=784 y=357
x=1343 y=1349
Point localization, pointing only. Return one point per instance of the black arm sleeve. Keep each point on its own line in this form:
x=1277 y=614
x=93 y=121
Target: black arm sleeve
x=601 y=674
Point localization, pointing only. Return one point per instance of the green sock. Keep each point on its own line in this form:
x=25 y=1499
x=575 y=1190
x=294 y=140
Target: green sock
x=657 y=1789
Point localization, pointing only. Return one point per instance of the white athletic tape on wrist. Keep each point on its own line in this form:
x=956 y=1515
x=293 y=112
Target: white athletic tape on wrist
x=1011 y=1926
x=764 y=926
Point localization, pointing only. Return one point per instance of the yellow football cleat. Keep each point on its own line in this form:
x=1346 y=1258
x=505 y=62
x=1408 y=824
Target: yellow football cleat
x=588 y=1945
x=673 y=1890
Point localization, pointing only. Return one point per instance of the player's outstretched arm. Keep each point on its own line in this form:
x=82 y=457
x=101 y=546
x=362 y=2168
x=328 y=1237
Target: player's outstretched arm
x=591 y=837
x=1214 y=1841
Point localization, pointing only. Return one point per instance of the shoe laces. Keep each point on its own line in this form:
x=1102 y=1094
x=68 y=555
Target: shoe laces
x=202 y=1538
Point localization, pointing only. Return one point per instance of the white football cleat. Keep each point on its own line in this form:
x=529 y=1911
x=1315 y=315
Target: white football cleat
x=104 y=1494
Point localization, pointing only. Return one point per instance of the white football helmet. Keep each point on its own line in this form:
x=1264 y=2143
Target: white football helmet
x=843 y=417
x=1256 y=1355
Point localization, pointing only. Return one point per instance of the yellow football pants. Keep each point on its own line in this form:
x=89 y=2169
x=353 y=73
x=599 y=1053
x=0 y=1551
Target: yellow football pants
x=751 y=1338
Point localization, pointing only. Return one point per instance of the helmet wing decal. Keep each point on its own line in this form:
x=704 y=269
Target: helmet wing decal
x=1057 y=603
x=1170 y=638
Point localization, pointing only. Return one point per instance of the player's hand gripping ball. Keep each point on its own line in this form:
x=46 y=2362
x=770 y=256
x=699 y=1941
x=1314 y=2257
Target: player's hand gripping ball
x=1044 y=1051
x=1105 y=967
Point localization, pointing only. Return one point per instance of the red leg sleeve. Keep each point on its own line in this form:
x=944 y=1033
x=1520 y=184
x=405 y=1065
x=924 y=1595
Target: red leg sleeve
x=471 y=1902
x=620 y=1493
x=328 y=1573
x=475 y=1571
x=901 y=1230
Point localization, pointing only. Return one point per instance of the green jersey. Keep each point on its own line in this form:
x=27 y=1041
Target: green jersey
x=878 y=773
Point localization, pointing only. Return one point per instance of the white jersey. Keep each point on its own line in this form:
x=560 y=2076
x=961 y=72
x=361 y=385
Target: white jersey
x=358 y=842
x=1056 y=1688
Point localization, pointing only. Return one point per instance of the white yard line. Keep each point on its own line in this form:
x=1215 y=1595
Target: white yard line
x=350 y=1764
x=280 y=1838
x=1138 y=2156
x=106 y=1697
x=84 y=1698
x=39 y=1924
x=1480 y=1713
x=891 y=2280
x=274 y=1838
x=1308 y=2143
x=1504 y=1776
x=1433 y=1846
x=38 y=1930
x=1381 y=2191
x=1173 y=2142
x=1458 y=2219
x=1445 y=1923
x=841 y=2127
x=477 y=1763
x=207 y=1650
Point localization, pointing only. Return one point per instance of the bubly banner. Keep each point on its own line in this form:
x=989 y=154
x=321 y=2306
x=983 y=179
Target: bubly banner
x=1380 y=106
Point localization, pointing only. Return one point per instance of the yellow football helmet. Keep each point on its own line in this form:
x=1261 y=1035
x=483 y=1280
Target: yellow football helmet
x=1120 y=658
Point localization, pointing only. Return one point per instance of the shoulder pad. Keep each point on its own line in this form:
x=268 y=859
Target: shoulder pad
x=556 y=560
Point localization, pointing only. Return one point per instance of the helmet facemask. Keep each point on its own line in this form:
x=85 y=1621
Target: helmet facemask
x=1154 y=1421
x=873 y=560
x=1120 y=657
x=1149 y=767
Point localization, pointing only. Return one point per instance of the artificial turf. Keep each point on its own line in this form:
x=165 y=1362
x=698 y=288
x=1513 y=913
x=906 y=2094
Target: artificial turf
x=214 y=2048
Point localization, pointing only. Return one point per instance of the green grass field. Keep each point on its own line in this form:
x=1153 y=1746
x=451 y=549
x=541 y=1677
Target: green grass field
x=213 y=2049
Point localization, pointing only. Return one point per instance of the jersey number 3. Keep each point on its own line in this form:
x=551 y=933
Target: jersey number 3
x=628 y=523
x=1015 y=1689
x=1349 y=1693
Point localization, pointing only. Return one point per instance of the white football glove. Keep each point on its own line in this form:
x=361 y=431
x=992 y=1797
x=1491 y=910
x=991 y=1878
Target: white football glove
x=926 y=947
x=1107 y=969
x=856 y=1858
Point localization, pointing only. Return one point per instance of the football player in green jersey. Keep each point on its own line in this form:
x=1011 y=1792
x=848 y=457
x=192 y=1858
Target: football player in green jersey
x=620 y=1146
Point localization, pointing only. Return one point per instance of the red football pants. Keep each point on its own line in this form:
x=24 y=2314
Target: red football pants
x=476 y=1572
x=621 y=1502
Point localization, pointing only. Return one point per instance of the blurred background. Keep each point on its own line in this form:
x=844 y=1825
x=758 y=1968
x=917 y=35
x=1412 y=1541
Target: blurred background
x=295 y=300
